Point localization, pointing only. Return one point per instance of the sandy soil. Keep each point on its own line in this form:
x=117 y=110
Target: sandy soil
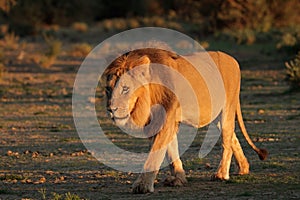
x=41 y=153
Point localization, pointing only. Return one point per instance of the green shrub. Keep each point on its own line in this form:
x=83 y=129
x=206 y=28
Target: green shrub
x=55 y=196
x=293 y=72
x=69 y=196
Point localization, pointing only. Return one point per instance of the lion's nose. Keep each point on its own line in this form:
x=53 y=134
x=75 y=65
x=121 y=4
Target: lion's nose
x=113 y=109
x=110 y=111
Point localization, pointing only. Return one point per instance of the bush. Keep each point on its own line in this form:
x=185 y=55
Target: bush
x=7 y=5
x=55 y=196
x=80 y=27
x=54 y=46
x=80 y=50
x=2 y=63
x=293 y=72
x=2 y=68
x=290 y=39
x=10 y=41
x=53 y=50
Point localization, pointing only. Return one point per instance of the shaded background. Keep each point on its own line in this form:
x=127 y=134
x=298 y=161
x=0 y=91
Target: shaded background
x=245 y=21
x=269 y=30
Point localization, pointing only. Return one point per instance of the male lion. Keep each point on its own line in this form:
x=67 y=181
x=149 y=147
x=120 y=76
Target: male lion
x=127 y=105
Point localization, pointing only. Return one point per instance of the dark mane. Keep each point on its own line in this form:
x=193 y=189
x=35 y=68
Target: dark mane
x=119 y=66
x=159 y=94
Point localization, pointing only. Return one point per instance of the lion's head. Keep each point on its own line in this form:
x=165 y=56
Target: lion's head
x=127 y=92
x=131 y=99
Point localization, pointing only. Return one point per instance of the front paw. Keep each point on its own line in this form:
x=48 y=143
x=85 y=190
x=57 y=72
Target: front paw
x=140 y=187
x=177 y=180
x=144 y=184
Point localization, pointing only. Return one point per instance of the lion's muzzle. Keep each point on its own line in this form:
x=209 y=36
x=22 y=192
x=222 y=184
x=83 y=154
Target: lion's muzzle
x=118 y=115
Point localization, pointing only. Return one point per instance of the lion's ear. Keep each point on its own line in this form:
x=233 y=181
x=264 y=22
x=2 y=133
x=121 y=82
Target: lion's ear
x=141 y=69
x=144 y=60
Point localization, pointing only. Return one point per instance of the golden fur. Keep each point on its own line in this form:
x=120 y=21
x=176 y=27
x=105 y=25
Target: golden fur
x=141 y=100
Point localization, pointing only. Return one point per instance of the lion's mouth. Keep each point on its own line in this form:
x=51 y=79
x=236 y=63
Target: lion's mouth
x=120 y=118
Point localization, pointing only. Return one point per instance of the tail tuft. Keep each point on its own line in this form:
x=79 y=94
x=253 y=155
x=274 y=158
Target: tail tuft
x=263 y=154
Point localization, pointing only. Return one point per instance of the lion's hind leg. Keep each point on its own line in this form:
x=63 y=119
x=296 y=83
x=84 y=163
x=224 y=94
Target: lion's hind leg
x=240 y=158
x=231 y=146
x=227 y=124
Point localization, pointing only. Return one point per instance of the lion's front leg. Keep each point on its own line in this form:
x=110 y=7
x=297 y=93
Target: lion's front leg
x=177 y=177
x=161 y=141
x=145 y=182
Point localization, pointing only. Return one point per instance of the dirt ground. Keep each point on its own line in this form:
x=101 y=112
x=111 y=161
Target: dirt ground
x=41 y=154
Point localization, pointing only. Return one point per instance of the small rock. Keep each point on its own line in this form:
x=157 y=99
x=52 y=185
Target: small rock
x=9 y=153
x=35 y=154
x=79 y=153
x=42 y=180
x=50 y=172
x=92 y=99
x=27 y=152
x=21 y=55
x=28 y=181
x=59 y=179
x=207 y=166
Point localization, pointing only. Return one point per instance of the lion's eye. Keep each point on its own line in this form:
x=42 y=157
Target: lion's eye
x=125 y=89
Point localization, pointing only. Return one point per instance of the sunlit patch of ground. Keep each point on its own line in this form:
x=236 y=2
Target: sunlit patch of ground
x=41 y=151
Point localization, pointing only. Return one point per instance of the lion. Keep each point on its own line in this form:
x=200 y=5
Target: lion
x=129 y=105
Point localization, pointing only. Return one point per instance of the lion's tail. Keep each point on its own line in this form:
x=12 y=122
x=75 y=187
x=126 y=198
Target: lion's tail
x=262 y=153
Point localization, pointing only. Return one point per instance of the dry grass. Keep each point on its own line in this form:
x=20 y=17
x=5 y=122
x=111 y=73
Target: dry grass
x=80 y=50
x=10 y=41
x=80 y=27
x=2 y=65
x=47 y=59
